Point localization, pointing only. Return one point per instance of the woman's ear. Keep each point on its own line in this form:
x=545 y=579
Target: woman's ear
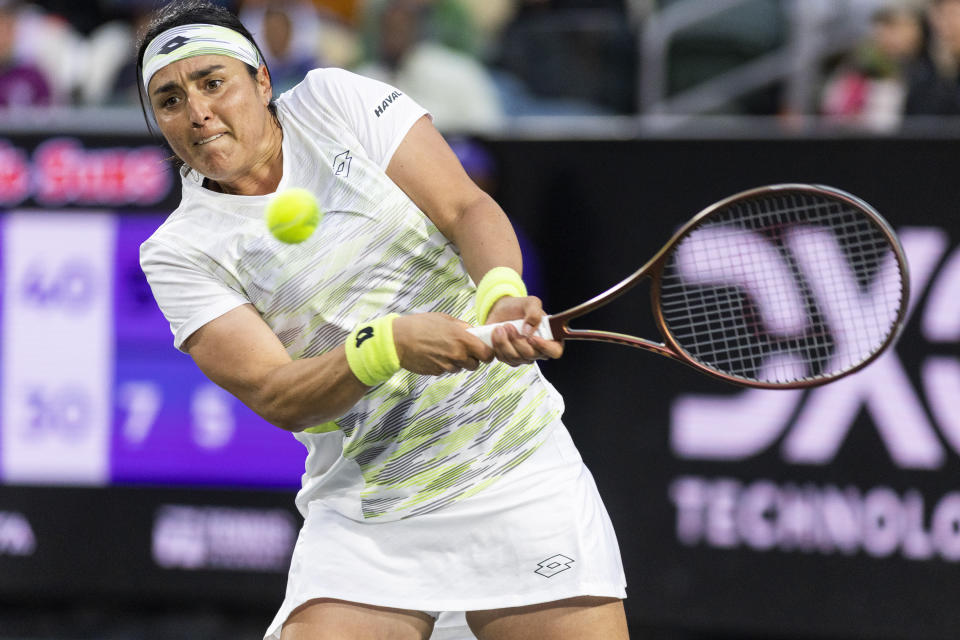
x=264 y=84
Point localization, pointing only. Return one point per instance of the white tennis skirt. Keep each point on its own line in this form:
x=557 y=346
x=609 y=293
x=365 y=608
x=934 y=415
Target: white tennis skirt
x=540 y=534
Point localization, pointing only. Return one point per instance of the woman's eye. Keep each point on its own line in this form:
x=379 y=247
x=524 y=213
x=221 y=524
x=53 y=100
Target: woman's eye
x=169 y=102
x=214 y=84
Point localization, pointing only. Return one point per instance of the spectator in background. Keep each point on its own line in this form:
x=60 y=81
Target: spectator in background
x=21 y=82
x=489 y=18
x=108 y=59
x=347 y=11
x=456 y=88
x=287 y=67
x=934 y=78
x=317 y=38
x=42 y=56
x=573 y=57
x=869 y=89
x=124 y=88
x=447 y=22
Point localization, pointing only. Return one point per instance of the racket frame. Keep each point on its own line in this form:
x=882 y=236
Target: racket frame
x=653 y=270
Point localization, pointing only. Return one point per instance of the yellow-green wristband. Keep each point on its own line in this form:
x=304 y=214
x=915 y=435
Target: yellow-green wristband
x=371 y=352
x=498 y=282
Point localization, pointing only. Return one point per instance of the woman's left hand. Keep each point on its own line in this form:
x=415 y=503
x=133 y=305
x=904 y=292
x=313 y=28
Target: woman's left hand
x=515 y=347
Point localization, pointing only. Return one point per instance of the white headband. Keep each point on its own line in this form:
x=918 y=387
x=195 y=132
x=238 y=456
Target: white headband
x=191 y=40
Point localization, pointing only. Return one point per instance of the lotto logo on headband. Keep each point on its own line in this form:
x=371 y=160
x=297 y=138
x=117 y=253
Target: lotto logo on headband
x=191 y=40
x=173 y=45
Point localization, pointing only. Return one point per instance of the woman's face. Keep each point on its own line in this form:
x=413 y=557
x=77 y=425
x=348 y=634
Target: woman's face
x=945 y=19
x=899 y=37
x=214 y=115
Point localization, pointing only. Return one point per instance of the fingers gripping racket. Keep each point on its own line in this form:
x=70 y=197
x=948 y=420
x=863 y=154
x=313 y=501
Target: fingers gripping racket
x=783 y=286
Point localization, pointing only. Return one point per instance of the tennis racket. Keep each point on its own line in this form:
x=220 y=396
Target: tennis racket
x=783 y=286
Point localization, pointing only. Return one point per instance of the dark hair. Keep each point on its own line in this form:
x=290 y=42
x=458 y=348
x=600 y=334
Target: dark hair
x=181 y=12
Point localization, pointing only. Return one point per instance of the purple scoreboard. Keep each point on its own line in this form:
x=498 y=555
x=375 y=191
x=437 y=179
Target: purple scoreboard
x=92 y=391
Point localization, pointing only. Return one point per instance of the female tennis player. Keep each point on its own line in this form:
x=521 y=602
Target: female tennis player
x=439 y=478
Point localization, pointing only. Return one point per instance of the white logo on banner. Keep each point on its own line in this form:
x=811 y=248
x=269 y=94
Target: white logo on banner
x=193 y=538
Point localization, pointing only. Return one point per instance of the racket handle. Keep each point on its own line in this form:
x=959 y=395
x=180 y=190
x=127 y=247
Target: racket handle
x=484 y=332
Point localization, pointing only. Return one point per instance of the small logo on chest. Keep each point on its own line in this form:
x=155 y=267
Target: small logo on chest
x=341 y=164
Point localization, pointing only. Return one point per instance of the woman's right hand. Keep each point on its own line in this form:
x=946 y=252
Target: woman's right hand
x=436 y=343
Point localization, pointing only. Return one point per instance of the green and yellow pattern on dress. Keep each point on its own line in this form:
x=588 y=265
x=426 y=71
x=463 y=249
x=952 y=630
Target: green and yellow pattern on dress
x=419 y=442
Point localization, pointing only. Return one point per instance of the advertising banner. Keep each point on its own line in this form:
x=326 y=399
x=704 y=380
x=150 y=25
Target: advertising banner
x=831 y=512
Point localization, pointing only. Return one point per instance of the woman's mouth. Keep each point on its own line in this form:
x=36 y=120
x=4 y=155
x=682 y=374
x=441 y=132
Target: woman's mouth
x=206 y=140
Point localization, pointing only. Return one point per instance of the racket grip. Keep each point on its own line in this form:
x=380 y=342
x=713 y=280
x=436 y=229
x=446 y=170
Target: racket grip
x=484 y=332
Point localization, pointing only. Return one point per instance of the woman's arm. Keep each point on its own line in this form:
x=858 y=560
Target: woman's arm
x=239 y=352
x=429 y=172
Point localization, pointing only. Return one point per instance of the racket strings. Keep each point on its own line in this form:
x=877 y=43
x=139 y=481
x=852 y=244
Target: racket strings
x=712 y=327
x=732 y=355
x=725 y=344
x=782 y=287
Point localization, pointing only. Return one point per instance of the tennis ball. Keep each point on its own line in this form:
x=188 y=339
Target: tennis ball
x=292 y=215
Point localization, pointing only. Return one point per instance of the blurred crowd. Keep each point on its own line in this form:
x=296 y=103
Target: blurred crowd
x=448 y=54
x=474 y=63
x=907 y=65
